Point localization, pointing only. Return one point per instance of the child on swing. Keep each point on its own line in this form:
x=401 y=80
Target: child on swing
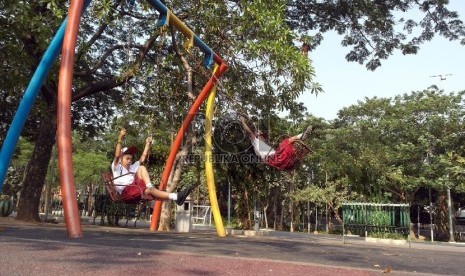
x=281 y=157
x=126 y=173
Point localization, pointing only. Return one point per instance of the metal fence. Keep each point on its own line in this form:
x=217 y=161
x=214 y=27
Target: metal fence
x=366 y=218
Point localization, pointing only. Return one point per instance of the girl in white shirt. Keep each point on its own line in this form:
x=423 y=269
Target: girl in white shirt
x=126 y=173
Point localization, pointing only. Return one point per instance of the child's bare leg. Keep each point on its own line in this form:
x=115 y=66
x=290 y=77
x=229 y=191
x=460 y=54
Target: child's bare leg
x=295 y=138
x=157 y=193
x=143 y=174
x=303 y=135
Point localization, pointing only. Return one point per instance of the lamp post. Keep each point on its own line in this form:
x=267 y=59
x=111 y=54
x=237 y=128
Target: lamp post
x=441 y=77
x=309 y=212
x=430 y=207
x=418 y=220
x=430 y=211
x=229 y=202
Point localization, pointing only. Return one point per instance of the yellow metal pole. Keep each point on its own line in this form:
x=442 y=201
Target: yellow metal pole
x=176 y=22
x=209 y=163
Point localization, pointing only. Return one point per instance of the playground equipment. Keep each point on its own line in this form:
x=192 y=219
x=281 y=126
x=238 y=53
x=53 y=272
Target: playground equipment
x=110 y=186
x=66 y=37
x=109 y=205
x=209 y=165
x=365 y=218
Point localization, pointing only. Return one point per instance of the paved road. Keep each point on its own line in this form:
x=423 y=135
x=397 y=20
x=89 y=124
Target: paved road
x=44 y=249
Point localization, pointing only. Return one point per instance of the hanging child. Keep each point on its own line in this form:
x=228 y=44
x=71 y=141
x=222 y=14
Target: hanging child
x=125 y=173
x=284 y=157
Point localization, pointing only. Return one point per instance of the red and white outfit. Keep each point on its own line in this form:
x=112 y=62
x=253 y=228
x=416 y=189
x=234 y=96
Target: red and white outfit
x=124 y=177
x=280 y=157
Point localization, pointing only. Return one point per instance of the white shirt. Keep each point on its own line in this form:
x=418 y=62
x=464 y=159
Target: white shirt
x=128 y=175
x=262 y=149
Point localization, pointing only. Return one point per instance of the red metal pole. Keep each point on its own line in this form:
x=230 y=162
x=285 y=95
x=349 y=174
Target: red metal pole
x=65 y=163
x=177 y=142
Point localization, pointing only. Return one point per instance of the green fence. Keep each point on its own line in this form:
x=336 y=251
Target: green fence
x=365 y=218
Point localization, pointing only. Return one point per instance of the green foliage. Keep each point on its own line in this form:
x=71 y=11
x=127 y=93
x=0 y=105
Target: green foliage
x=266 y=59
x=398 y=145
x=88 y=168
x=6 y=206
x=374 y=30
x=387 y=235
x=234 y=224
x=378 y=218
x=128 y=73
x=13 y=180
x=113 y=213
x=334 y=192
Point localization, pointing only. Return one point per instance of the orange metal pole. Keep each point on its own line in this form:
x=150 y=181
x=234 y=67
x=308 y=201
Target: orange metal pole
x=177 y=142
x=65 y=164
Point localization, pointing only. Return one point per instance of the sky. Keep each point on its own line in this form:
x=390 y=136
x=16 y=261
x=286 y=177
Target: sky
x=346 y=83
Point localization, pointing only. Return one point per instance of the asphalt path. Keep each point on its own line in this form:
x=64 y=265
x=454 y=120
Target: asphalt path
x=45 y=249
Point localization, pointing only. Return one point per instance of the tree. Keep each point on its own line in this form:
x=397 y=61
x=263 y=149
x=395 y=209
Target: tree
x=123 y=66
x=374 y=30
x=395 y=148
x=407 y=135
x=109 y=55
x=26 y=20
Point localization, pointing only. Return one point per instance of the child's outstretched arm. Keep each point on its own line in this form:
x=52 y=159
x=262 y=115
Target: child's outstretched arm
x=119 y=145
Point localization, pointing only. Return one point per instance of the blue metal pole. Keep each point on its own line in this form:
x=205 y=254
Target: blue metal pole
x=29 y=98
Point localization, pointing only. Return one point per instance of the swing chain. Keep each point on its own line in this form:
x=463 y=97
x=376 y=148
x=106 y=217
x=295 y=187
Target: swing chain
x=158 y=68
x=127 y=45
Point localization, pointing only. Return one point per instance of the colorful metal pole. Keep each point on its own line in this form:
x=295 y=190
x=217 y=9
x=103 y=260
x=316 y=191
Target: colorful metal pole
x=177 y=142
x=176 y=22
x=173 y=20
x=210 y=176
x=65 y=162
x=30 y=95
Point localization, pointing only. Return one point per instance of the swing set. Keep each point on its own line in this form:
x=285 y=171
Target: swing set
x=65 y=39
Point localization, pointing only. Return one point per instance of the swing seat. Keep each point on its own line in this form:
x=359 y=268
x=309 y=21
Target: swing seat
x=110 y=187
x=301 y=150
x=286 y=159
x=116 y=197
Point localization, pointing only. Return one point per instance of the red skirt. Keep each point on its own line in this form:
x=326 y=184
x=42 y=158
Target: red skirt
x=284 y=157
x=133 y=193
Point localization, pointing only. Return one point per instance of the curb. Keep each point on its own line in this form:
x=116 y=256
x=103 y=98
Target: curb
x=386 y=241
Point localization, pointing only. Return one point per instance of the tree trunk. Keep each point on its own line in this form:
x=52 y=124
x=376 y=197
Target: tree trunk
x=173 y=181
x=442 y=218
x=48 y=196
x=175 y=176
x=165 y=217
x=247 y=223
x=265 y=215
x=36 y=171
x=412 y=231
x=275 y=208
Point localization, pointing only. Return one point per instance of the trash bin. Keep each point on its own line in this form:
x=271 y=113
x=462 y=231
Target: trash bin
x=184 y=217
